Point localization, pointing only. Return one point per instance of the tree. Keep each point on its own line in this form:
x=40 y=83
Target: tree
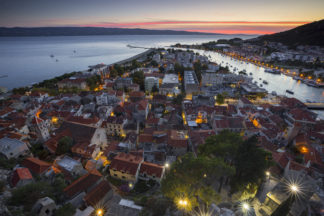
x=179 y=69
x=251 y=162
x=220 y=99
x=223 y=145
x=138 y=78
x=154 y=63
x=198 y=68
x=65 y=210
x=120 y=70
x=64 y=145
x=93 y=82
x=178 y=99
x=113 y=73
x=190 y=177
x=155 y=89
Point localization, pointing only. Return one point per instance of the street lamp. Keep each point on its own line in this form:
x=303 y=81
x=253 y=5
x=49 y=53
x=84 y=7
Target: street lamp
x=245 y=207
x=167 y=165
x=294 y=188
x=99 y=212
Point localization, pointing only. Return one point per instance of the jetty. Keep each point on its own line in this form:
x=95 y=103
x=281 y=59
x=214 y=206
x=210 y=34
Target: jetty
x=315 y=106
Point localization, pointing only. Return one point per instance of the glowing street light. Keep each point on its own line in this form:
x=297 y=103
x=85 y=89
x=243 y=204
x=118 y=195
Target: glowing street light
x=130 y=185
x=99 y=212
x=245 y=207
x=167 y=165
x=294 y=188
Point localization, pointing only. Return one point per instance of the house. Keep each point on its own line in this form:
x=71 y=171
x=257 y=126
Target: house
x=133 y=87
x=126 y=166
x=298 y=115
x=12 y=148
x=121 y=83
x=78 y=189
x=191 y=83
x=100 y=194
x=244 y=102
x=234 y=124
x=42 y=128
x=69 y=166
x=150 y=82
x=21 y=177
x=151 y=171
x=73 y=82
x=44 y=207
x=35 y=165
x=177 y=142
x=83 y=136
x=136 y=96
x=115 y=125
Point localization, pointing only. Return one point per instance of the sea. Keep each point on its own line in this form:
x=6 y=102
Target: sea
x=26 y=60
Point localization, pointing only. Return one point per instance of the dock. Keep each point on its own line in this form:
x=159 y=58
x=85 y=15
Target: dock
x=315 y=106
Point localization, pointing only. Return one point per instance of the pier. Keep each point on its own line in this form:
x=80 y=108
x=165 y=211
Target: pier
x=315 y=106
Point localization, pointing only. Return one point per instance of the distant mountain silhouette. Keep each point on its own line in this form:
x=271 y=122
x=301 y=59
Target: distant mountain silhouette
x=82 y=31
x=308 y=34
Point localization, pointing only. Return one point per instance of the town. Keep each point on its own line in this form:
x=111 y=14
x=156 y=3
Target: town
x=166 y=133
x=303 y=62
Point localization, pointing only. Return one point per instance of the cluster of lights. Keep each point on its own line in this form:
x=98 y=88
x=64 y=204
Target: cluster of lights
x=183 y=202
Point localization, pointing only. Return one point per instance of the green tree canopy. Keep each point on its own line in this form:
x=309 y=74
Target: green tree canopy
x=64 y=145
x=138 y=78
x=251 y=162
x=220 y=99
x=190 y=178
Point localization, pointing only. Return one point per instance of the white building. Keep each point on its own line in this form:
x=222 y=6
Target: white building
x=12 y=148
x=150 y=82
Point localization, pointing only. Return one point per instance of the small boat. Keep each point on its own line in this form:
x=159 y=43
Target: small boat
x=272 y=71
x=265 y=82
x=274 y=93
x=3 y=76
x=56 y=60
x=289 y=91
x=261 y=85
x=74 y=51
x=260 y=79
x=52 y=56
x=250 y=73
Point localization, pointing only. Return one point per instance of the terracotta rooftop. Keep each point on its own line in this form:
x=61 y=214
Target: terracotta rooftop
x=82 y=184
x=151 y=169
x=35 y=165
x=97 y=193
x=126 y=162
x=20 y=174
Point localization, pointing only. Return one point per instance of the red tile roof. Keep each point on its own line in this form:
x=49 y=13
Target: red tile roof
x=97 y=193
x=151 y=169
x=35 y=165
x=82 y=184
x=145 y=138
x=280 y=158
x=20 y=174
x=126 y=162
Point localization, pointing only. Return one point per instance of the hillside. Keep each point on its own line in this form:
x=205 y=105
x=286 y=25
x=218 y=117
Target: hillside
x=80 y=31
x=308 y=34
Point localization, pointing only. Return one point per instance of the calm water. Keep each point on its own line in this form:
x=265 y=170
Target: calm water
x=27 y=59
x=278 y=83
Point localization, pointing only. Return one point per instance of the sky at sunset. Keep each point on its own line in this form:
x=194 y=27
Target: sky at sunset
x=216 y=16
